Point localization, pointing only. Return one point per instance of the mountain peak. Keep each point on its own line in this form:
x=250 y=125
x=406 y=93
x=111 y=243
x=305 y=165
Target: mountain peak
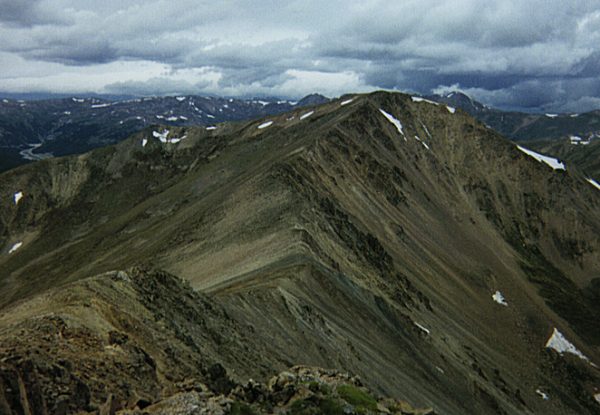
x=312 y=99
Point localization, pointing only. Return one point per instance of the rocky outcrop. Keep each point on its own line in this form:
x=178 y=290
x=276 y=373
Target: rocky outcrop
x=299 y=390
x=143 y=342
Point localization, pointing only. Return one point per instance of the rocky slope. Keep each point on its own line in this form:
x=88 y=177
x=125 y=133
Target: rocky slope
x=573 y=138
x=583 y=154
x=139 y=339
x=383 y=236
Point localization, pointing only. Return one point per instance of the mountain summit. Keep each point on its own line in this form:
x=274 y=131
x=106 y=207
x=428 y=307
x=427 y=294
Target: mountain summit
x=382 y=235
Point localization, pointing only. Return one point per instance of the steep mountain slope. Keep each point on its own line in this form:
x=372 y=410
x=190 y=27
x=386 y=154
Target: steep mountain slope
x=135 y=338
x=32 y=130
x=583 y=154
x=526 y=127
x=570 y=137
x=368 y=234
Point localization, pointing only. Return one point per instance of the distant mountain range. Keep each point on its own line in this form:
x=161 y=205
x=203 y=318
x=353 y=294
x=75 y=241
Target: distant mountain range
x=520 y=126
x=33 y=130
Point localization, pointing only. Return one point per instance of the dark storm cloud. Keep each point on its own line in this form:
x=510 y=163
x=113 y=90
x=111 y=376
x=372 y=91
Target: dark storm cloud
x=518 y=54
x=27 y=13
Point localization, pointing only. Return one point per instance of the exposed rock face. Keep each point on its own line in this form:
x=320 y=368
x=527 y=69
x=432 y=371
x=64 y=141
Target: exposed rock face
x=123 y=336
x=141 y=342
x=301 y=390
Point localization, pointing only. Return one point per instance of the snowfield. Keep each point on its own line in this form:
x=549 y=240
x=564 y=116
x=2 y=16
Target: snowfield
x=559 y=343
x=550 y=161
x=17 y=196
x=265 y=125
x=396 y=122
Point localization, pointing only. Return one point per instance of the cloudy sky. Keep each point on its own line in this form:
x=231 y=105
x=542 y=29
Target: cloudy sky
x=528 y=54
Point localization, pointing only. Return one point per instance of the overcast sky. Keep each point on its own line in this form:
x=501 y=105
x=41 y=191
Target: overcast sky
x=529 y=54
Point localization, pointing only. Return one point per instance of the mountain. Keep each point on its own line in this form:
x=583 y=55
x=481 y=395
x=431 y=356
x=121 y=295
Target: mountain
x=32 y=130
x=567 y=136
x=526 y=127
x=377 y=235
x=575 y=151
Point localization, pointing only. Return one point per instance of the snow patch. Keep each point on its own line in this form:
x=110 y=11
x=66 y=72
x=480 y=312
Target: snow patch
x=594 y=183
x=17 y=196
x=426 y=130
x=451 y=110
x=210 y=116
x=394 y=121
x=423 y=328
x=177 y=139
x=180 y=99
x=544 y=395
x=550 y=161
x=67 y=112
x=5 y=101
x=211 y=128
x=15 y=247
x=172 y=119
x=305 y=116
x=597 y=397
x=79 y=100
x=420 y=99
x=551 y=115
x=346 y=102
x=559 y=343
x=499 y=298
x=574 y=115
x=144 y=142
x=265 y=125
x=422 y=142
x=181 y=117
x=575 y=139
x=162 y=136
x=100 y=105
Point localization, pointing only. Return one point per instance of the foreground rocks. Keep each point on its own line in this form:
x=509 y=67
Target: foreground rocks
x=300 y=390
x=142 y=342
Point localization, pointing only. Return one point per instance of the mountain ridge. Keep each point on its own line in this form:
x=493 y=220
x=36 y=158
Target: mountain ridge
x=349 y=239
x=31 y=130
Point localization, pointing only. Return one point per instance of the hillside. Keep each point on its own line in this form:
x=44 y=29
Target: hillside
x=379 y=235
